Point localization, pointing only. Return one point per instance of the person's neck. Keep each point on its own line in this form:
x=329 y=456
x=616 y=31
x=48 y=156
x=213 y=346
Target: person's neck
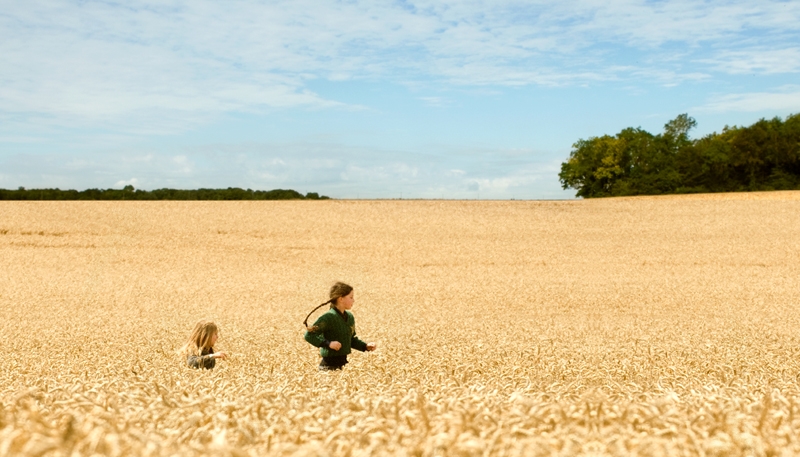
x=341 y=310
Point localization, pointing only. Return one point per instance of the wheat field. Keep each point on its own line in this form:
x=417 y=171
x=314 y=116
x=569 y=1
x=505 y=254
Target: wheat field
x=632 y=326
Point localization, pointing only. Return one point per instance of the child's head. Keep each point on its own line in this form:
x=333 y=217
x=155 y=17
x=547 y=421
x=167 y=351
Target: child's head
x=338 y=291
x=204 y=335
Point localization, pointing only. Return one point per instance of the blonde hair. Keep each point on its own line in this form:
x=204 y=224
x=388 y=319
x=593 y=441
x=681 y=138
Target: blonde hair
x=200 y=338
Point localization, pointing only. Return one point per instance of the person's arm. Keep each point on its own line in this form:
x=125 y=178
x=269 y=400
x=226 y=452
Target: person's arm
x=357 y=344
x=317 y=337
x=194 y=361
x=207 y=361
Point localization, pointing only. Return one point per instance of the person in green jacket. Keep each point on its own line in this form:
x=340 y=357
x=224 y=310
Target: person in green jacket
x=334 y=332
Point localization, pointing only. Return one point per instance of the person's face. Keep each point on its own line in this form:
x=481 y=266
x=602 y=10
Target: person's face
x=347 y=301
x=214 y=337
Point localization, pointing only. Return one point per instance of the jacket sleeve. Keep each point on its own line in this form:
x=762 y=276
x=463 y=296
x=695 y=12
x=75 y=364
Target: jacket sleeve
x=201 y=361
x=355 y=342
x=317 y=337
x=358 y=344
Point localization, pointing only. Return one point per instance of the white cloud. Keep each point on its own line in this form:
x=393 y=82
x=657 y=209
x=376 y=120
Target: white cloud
x=127 y=182
x=785 y=100
x=102 y=77
x=434 y=101
x=182 y=164
x=160 y=67
x=504 y=183
x=355 y=172
x=758 y=60
x=650 y=24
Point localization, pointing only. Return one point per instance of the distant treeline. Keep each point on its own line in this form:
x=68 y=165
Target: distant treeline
x=763 y=156
x=129 y=193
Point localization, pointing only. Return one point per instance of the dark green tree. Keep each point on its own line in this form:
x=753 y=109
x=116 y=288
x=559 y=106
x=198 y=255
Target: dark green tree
x=763 y=156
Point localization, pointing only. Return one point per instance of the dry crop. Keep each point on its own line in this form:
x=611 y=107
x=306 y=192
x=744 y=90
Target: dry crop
x=634 y=326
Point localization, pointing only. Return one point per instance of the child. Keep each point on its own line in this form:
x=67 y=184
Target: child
x=199 y=350
x=334 y=333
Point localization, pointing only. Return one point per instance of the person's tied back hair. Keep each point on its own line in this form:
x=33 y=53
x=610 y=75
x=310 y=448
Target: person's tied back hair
x=338 y=290
x=200 y=338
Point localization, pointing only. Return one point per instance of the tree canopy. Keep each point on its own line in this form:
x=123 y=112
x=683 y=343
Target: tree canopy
x=763 y=156
x=129 y=193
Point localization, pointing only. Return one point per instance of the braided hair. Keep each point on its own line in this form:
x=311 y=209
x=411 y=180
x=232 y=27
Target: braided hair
x=338 y=291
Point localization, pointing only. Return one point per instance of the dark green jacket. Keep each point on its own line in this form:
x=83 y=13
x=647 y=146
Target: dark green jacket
x=331 y=326
x=203 y=360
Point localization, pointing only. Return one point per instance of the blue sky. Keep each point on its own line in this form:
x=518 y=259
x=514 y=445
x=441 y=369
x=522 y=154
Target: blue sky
x=352 y=99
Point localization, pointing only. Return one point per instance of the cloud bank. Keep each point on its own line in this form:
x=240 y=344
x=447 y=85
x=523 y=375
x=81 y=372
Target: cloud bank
x=124 y=64
x=100 y=92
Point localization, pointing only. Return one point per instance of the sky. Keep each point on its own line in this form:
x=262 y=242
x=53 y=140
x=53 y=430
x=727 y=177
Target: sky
x=370 y=99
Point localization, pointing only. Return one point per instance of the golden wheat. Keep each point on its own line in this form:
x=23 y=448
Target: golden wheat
x=635 y=326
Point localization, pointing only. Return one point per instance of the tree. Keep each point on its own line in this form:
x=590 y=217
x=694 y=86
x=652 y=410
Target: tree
x=677 y=130
x=592 y=167
x=763 y=156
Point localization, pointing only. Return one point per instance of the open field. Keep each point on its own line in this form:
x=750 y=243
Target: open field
x=636 y=326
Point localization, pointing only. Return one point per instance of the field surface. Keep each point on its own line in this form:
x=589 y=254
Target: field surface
x=635 y=326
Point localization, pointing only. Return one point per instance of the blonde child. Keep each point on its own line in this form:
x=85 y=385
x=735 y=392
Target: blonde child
x=199 y=349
